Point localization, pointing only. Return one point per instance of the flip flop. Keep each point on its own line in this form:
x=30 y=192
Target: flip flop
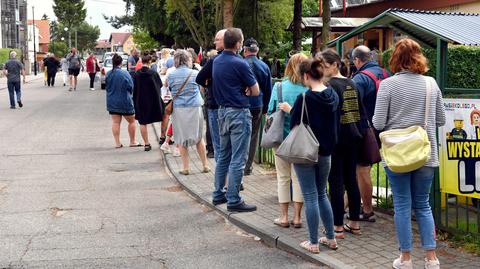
x=117 y=147
x=281 y=224
x=338 y=234
x=296 y=225
x=354 y=231
x=136 y=145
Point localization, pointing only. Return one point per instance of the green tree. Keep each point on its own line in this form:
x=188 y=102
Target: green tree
x=70 y=13
x=59 y=48
x=143 y=40
x=87 y=36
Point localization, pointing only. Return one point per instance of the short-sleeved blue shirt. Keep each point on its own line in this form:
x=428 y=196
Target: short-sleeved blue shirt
x=231 y=76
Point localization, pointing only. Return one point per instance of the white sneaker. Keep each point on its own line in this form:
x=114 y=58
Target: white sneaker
x=432 y=264
x=398 y=264
x=176 y=152
x=165 y=147
x=92 y=89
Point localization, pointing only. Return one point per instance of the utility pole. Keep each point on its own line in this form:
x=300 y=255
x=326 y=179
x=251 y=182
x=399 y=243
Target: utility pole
x=34 y=45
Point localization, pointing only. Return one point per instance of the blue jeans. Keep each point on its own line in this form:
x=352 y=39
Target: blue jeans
x=412 y=191
x=235 y=127
x=14 y=88
x=313 y=182
x=214 y=131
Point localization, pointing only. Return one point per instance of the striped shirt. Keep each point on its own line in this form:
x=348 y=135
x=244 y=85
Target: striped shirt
x=401 y=104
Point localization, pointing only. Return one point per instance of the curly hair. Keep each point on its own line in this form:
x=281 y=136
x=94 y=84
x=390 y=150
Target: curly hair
x=408 y=56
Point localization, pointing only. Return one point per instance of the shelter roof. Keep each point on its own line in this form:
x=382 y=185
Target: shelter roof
x=314 y=24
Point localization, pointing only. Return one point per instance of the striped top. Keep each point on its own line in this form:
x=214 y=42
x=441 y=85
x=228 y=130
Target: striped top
x=401 y=104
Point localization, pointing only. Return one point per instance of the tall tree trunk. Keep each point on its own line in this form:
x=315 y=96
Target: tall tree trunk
x=326 y=23
x=297 y=25
x=227 y=13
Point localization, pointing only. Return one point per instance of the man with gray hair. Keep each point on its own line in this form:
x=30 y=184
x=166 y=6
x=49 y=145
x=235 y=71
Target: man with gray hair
x=234 y=83
x=258 y=104
x=12 y=70
x=367 y=80
x=204 y=79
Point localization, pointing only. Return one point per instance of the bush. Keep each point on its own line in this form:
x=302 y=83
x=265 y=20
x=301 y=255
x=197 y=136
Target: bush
x=463 y=68
x=5 y=54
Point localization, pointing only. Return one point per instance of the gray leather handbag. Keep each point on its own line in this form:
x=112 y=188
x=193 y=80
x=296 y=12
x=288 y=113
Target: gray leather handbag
x=272 y=134
x=301 y=145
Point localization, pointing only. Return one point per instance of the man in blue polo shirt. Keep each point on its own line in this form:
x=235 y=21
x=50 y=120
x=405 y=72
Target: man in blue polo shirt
x=234 y=83
x=258 y=104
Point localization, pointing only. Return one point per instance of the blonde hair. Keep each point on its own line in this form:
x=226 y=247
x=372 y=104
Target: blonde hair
x=212 y=53
x=165 y=53
x=291 y=71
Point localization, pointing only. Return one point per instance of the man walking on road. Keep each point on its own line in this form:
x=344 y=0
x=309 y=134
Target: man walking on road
x=369 y=72
x=258 y=104
x=204 y=79
x=234 y=82
x=74 y=65
x=13 y=69
x=52 y=64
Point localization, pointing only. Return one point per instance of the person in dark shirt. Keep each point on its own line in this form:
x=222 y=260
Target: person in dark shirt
x=204 y=79
x=367 y=89
x=52 y=64
x=258 y=104
x=234 y=82
x=344 y=158
x=321 y=103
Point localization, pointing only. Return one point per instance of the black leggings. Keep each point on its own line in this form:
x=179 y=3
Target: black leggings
x=51 y=78
x=343 y=174
x=92 y=79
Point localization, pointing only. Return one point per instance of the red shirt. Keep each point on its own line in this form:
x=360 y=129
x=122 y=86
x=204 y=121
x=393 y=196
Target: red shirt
x=91 y=65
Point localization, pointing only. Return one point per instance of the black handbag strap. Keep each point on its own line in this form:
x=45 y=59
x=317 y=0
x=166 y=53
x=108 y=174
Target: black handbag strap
x=182 y=86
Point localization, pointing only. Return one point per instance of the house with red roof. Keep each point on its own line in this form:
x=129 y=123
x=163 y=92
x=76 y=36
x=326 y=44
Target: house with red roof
x=121 y=42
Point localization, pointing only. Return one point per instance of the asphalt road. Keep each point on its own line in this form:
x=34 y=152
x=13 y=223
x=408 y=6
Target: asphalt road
x=68 y=199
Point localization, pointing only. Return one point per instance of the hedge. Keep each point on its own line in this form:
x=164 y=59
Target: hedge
x=5 y=54
x=463 y=65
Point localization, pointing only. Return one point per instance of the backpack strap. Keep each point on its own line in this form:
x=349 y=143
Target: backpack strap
x=375 y=79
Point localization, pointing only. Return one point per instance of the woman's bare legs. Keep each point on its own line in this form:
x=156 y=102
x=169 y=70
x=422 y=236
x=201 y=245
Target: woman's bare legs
x=116 y=120
x=131 y=128
x=144 y=132
x=185 y=157
x=202 y=153
x=297 y=217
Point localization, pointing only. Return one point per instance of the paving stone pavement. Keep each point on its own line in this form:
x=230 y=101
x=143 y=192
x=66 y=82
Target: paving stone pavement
x=376 y=248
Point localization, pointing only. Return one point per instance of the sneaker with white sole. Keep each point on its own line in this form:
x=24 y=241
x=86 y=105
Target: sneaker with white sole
x=399 y=264
x=176 y=152
x=92 y=89
x=165 y=147
x=432 y=264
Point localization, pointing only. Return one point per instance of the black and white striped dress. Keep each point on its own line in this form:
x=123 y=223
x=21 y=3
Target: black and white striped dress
x=401 y=104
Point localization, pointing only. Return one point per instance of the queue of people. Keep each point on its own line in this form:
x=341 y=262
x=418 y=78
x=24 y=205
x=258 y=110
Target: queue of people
x=343 y=114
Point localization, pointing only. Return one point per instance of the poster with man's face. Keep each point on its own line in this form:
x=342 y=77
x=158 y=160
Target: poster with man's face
x=460 y=148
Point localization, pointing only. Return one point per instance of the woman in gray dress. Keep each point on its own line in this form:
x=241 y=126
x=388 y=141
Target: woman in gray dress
x=187 y=116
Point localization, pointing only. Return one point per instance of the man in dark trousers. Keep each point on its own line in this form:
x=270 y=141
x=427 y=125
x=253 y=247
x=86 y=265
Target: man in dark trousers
x=234 y=83
x=258 y=104
x=204 y=79
x=367 y=79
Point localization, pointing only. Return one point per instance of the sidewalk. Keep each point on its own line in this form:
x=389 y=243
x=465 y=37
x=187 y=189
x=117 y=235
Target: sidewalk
x=376 y=248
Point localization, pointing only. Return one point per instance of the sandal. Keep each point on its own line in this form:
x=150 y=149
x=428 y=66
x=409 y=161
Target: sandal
x=296 y=225
x=281 y=224
x=329 y=243
x=148 y=147
x=206 y=170
x=370 y=217
x=354 y=231
x=338 y=234
x=118 y=147
x=135 y=145
x=184 y=172
x=313 y=248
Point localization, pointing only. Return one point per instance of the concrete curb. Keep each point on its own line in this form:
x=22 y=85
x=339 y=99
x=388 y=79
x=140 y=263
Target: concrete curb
x=273 y=240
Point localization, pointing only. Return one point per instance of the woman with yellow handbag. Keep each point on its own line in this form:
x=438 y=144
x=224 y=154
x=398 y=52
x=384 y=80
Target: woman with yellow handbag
x=408 y=110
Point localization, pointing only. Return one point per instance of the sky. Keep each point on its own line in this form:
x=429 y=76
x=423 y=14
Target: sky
x=95 y=9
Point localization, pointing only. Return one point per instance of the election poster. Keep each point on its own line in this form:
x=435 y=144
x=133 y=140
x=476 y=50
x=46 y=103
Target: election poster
x=460 y=148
